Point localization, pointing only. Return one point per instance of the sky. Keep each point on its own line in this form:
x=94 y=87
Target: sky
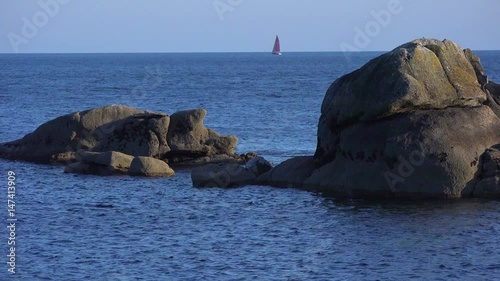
x=116 y=26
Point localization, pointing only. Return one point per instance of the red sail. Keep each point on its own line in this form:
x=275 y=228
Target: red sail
x=277 y=48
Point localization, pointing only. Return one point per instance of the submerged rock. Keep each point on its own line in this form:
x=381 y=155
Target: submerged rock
x=230 y=175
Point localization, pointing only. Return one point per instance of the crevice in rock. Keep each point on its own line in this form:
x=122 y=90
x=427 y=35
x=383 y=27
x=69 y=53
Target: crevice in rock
x=436 y=52
x=491 y=103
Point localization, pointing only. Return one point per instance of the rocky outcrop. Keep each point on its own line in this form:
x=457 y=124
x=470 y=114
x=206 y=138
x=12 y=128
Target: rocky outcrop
x=180 y=139
x=150 y=167
x=118 y=139
x=230 y=175
x=413 y=122
x=60 y=138
x=424 y=74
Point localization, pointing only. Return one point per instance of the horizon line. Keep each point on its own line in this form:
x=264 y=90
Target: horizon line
x=202 y=52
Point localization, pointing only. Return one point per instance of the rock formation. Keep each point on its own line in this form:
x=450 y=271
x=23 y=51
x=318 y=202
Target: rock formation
x=413 y=122
x=59 y=139
x=91 y=142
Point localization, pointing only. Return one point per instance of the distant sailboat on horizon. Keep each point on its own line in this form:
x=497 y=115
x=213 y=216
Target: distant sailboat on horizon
x=277 y=47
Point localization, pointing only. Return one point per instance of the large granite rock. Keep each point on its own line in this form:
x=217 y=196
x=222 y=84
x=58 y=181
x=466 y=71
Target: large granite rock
x=60 y=138
x=413 y=122
x=424 y=74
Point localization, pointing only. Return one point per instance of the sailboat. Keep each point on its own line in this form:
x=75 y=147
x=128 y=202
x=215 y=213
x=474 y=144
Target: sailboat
x=277 y=48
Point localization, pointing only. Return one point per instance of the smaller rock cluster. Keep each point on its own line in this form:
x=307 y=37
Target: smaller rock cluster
x=117 y=139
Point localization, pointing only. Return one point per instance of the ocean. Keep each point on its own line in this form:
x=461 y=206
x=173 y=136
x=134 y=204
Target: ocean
x=81 y=227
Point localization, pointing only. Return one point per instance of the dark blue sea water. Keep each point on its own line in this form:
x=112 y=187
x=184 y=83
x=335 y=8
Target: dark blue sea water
x=75 y=227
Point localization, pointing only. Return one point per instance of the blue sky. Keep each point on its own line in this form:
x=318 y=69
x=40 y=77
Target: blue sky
x=57 y=26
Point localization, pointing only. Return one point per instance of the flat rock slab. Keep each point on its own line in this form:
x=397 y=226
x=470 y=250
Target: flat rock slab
x=150 y=167
x=100 y=163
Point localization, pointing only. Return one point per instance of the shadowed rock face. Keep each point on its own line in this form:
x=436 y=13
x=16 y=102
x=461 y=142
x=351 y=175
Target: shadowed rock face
x=424 y=153
x=413 y=122
x=494 y=89
x=138 y=135
x=488 y=179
